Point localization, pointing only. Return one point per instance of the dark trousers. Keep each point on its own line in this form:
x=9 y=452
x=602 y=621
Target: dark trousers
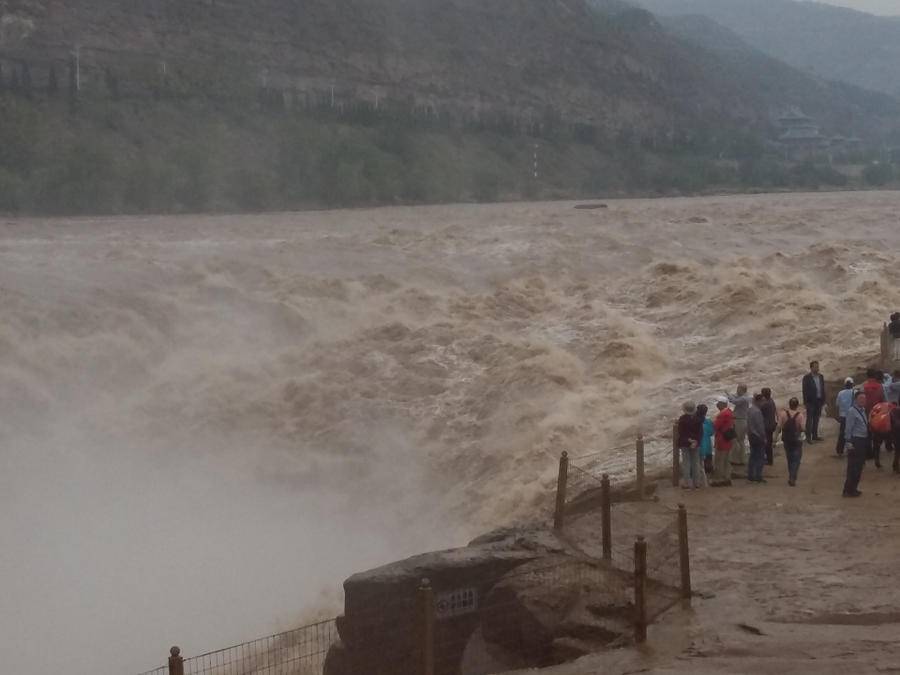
x=840 y=439
x=794 y=453
x=757 y=458
x=877 y=439
x=897 y=451
x=770 y=451
x=813 y=413
x=856 y=460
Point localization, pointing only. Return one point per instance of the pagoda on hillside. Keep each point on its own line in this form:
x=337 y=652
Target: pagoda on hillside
x=800 y=136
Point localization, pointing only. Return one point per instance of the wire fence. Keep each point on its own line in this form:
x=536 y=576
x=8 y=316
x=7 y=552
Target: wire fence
x=301 y=651
x=628 y=564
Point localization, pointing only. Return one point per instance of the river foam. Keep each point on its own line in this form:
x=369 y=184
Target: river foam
x=210 y=421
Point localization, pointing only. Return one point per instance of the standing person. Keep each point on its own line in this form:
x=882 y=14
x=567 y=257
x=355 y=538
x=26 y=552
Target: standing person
x=892 y=390
x=725 y=435
x=770 y=415
x=741 y=402
x=689 y=430
x=707 y=431
x=873 y=388
x=791 y=422
x=894 y=325
x=756 y=433
x=895 y=430
x=813 y=401
x=856 y=434
x=894 y=331
x=880 y=427
x=844 y=401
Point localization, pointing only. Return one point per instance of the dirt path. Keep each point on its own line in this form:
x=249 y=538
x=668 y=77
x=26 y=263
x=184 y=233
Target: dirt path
x=790 y=580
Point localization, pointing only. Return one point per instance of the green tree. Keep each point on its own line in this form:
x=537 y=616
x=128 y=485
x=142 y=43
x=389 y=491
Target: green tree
x=84 y=179
x=18 y=134
x=11 y=190
x=878 y=174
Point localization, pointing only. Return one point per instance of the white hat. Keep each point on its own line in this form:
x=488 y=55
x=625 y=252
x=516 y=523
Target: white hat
x=721 y=399
x=849 y=380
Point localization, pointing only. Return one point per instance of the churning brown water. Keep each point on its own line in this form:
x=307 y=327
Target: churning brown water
x=208 y=422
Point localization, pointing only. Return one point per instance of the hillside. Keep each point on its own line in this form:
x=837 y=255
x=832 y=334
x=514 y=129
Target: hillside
x=832 y=42
x=112 y=106
x=613 y=69
x=730 y=57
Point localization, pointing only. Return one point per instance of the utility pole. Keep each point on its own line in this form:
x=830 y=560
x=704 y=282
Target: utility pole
x=536 y=172
x=77 y=67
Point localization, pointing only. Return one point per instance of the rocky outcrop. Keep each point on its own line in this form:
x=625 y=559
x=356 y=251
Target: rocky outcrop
x=555 y=609
x=514 y=597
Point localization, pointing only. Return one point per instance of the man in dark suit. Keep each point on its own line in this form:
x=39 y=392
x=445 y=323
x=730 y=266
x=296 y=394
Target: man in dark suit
x=813 y=400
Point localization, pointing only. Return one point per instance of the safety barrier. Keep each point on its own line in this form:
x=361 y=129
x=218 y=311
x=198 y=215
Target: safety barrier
x=606 y=596
x=301 y=651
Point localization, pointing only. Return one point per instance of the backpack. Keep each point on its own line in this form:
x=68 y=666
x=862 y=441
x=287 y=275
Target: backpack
x=880 y=420
x=790 y=433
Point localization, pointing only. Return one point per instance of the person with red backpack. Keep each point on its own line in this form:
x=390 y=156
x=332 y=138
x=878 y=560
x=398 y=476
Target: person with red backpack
x=880 y=426
x=873 y=389
x=792 y=422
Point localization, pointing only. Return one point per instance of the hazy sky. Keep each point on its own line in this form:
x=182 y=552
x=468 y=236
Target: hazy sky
x=874 y=6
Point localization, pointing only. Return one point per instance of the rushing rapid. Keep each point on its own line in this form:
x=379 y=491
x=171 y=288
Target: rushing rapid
x=208 y=422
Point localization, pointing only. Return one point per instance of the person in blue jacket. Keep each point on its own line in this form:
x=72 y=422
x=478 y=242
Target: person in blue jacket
x=706 y=439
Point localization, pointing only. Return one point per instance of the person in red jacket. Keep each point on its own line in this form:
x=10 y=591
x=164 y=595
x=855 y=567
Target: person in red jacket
x=873 y=388
x=725 y=435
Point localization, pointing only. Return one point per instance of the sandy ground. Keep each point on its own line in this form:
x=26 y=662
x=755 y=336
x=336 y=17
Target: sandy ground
x=788 y=580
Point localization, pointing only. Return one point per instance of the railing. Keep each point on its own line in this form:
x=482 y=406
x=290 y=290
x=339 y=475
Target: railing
x=659 y=559
x=620 y=583
x=301 y=651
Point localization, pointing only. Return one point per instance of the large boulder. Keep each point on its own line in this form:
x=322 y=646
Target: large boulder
x=554 y=609
x=381 y=627
x=516 y=597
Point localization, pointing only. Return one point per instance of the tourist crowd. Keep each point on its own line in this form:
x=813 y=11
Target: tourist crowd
x=746 y=428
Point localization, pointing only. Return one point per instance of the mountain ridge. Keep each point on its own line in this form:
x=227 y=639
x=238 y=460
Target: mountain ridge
x=612 y=67
x=834 y=42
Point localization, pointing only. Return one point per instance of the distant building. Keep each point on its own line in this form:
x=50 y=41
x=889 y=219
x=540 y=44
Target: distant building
x=799 y=135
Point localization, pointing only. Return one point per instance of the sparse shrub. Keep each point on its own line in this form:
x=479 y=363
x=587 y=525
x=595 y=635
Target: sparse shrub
x=878 y=174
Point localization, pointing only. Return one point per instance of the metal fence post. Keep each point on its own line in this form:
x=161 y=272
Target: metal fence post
x=639 y=464
x=176 y=662
x=559 y=516
x=425 y=597
x=684 y=553
x=640 y=588
x=676 y=459
x=606 y=517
